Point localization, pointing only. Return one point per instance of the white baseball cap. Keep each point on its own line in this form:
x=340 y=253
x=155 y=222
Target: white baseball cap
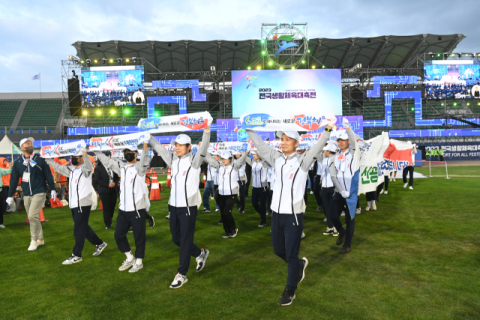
x=225 y=155
x=132 y=148
x=343 y=136
x=290 y=134
x=182 y=139
x=25 y=140
x=330 y=147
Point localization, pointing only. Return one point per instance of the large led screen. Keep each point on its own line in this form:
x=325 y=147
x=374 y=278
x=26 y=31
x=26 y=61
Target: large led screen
x=112 y=86
x=452 y=79
x=299 y=90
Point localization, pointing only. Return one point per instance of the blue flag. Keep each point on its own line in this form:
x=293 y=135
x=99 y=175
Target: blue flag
x=36 y=77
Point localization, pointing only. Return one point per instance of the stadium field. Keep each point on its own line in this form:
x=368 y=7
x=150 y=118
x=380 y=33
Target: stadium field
x=416 y=257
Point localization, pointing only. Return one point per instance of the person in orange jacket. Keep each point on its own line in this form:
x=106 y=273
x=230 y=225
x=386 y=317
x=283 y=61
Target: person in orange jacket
x=4 y=183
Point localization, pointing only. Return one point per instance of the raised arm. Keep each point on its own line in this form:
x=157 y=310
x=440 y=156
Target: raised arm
x=211 y=161
x=63 y=170
x=87 y=167
x=240 y=161
x=108 y=163
x=265 y=151
x=142 y=165
x=162 y=151
x=202 y=150
x=312 y=154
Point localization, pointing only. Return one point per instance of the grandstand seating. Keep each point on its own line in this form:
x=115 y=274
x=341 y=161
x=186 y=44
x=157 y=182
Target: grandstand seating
x=39 y=114
x=9 y=110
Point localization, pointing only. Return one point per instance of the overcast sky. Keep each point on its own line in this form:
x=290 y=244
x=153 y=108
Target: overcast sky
x=35 y=37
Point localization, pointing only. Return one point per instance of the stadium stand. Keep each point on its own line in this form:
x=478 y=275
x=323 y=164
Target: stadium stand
x=9 y=110
x=39 y=114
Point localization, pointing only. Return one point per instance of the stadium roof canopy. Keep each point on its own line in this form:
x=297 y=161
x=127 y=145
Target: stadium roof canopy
x=190 y=55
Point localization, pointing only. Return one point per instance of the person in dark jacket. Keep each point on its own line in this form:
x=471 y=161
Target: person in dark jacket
x=107 y=187
x=34 y=172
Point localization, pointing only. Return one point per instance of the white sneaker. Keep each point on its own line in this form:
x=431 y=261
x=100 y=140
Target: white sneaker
x=374 y=206
x=99 y=249
x=126 y=265
x=386 y=192
x=405 y=185
x=325 y=220
x=202 y=259
x=40 y=242
x=217 y=210
x=369 y=204
x=303 y=235
x=358 y=211
x=311 y=192
x=167 y=216
x=136 y=267
x=72 y=259
x=394 y=179
x=2 y=226
x=33 y=246
x=179 y=281
x=411 y=188
x=342 y=214
x=381 y=192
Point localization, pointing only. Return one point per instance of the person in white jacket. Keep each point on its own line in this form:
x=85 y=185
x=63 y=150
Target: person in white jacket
x=345 y=179
x=288 y=206
x=80 y=202
x=134 y=203
x=328 y=189
x=184 y=199
x=228 y=188
x=242 y=183
x=259 y=186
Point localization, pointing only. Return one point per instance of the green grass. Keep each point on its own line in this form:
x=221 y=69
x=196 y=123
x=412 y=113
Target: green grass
x=440 y=171
x=416 y=257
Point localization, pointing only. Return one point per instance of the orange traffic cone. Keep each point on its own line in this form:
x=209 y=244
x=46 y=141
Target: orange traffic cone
x=101 y=205
x=155 y=189
x=169 y=178
x=204 y=181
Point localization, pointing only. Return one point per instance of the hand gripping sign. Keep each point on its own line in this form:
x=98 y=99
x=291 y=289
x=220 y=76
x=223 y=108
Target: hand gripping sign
x=181 y=122
x=285 y=122
x=62 y=150
x=120 y=142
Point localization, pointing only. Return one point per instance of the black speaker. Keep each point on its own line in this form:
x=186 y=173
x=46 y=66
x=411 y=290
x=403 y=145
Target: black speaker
x=357 y=98
x=214 y=101
x=74 y=99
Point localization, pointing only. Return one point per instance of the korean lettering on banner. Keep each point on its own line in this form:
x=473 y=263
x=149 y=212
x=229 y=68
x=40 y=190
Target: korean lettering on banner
x=369 y=175
x=291 y=94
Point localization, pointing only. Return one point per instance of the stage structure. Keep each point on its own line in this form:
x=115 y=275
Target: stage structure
x=373 y=71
